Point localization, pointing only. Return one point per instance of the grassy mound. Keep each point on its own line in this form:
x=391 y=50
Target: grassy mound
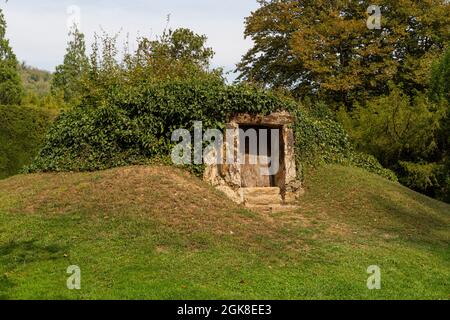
x=158 y=232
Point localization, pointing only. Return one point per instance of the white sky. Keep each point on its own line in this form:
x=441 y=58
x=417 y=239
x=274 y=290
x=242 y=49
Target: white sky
x=38 y=29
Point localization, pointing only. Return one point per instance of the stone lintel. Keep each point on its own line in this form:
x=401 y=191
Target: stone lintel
x=276 y=119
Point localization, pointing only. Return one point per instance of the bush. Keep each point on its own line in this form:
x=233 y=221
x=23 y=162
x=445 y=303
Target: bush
x=135 y=125
x=22 y=132
x=428 y=178
x=321 y=139
x=406 y=134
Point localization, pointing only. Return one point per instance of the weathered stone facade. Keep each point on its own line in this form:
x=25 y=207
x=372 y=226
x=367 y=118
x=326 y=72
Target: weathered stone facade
x=229 y=177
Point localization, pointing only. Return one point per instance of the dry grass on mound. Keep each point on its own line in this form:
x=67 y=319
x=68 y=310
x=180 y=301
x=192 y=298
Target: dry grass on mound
x=340 y=203
x=159 y=232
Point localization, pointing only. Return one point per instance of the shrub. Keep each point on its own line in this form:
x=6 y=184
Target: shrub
x=135 y=126
x=321 y=139
x=406 y=134
x=11 y=89
x=428 y=178
x=22 y=132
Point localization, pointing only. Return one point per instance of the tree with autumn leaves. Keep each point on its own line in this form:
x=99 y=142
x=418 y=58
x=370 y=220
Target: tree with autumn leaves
x=384 y=83
x=324 y=48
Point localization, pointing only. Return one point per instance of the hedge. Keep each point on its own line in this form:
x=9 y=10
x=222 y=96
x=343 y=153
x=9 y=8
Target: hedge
x=22 y=132
x=134 y=126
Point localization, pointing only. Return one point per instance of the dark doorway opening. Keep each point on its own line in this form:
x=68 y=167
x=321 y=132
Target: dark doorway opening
x=256 y=160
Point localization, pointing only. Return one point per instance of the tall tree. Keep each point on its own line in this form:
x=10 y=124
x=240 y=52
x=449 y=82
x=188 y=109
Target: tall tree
x=69 y=75
x=11 y=90
x=325 y=47
x=177 y=53
x=440 y=93
x=440 y=78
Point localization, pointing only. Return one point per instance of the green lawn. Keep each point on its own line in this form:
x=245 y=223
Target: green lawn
x=159 y=233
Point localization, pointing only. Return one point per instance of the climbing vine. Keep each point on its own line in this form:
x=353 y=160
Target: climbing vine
x=134 y=126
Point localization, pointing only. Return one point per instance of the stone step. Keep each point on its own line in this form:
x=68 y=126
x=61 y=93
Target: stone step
x=272 y=208
x=261 y=191
x=264 y=201
x=262 y=196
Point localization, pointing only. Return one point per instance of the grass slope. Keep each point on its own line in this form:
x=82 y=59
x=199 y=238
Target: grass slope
x=159 y=233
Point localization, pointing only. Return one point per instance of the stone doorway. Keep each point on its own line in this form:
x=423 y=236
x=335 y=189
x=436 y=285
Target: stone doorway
x=257 y=158
x=242 y=181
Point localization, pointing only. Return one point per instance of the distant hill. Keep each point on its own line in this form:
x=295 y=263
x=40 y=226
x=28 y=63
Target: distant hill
x=35 y=80
x=160 y=233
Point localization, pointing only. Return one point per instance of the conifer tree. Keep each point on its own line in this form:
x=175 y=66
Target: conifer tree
x=68 y=76
x=11 y=89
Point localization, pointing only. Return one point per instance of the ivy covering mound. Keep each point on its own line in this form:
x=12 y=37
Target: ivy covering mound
x=135 y=125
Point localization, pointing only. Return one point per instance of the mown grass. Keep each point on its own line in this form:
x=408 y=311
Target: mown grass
x=159 y=233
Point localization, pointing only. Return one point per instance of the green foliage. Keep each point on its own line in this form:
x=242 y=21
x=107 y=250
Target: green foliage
x=440 y=93
x=182 y=45
x=53 y=101
x=325 y=48
x=36 y=82
x=136 y=125
x=68 y=76
x=130 y=108
x=177 y=55
x=402 y=133
x=11 y=90
x=371 y=164
x=440 y=78
x=431 y=178
x=395 y=127
x=321 y=139
x=419 y=176
x=22 y=132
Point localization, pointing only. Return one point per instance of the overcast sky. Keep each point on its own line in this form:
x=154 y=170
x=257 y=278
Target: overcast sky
x=38 y=29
